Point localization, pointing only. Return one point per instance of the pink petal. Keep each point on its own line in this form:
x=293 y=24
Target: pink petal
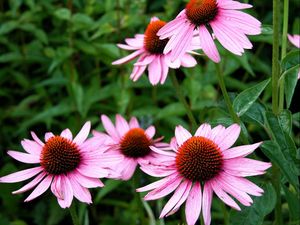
x=137 y=42
x=83 y=133
x=24 y=157
x=174 y=199
x=81 y=193
x=31 y=147
x=137 y=72
x=193 y=204
x=155 y=184
x=21 y=175
x=128 y=58
x=240 y=151
x=294 y=39
x=164 y=69
x=162 y=152
x=208 y=45
x=40 y=189
x=92 y=171
x=134 y=123
x=110 y=129
x=229 y=137
x=31 y=184
x=121 y=125
x=67 y=134
x=36 y=139
x=48 y=135
x=146 y=60
x=181 y=135
x=56 y=186
x=171 y=28
x=204 y=130
x=67 y=193
x=233 y=5
x=206 y=203
x=155 y=69
x=188 y=60
x=127 y=168
x=150 y=131
x=217 y=132
x=127 y=47
x=87 y=182
x=157 y=171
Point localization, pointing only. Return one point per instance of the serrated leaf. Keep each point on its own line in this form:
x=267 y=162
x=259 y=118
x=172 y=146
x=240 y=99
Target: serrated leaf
x=255 y=214
x=246 y=98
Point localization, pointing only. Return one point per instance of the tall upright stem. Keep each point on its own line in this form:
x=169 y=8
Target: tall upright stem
x=228 y=102
x=183 y=100
x=283 y=48
x=74 y=215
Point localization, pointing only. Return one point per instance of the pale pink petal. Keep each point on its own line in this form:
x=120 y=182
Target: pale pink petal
x=92 y=171
x=217 y=132
x=137 y=72
x=208 y=45
x=181 y=135
x=204 y=131
x=21 y=175
x=240 y=151
x=31 y=184
x=137 y=42
x=206 y=203
x=171 y=27
x=165 y=189
x=233 y=5
x=150 y=131
x=87 y=182
x=157 y=171
x=31 y=147
x=110 y=128
x=188 y=61
x=36 y=139
x=294 y=39
x=146 y=60
x=128 y=58
x=193 y=204
x=40 y=189
x=164 y=69
x=56 y=186
x=48 y=135
x=229 y=137
x=24 y=157
x=155 y=69
x=162 y=152
x=67 y=134
x=134 y=123
x=174 y=199
x=121 y=125
x=155 y=184
x=127 y=168
x=83 y=133
x=81 y=193
x=127 y=47
x=67 y=193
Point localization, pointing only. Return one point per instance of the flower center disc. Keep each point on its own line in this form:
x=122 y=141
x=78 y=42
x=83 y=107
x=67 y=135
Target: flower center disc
x=59 y=155
x=135 y=143
x=201 y=12
x=152 y=43
x=199 y=159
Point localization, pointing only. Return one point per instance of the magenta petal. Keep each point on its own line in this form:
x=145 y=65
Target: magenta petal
x=23 y=157
x=40 y=189
x=193 y=204
x=21 y=175
x=83 y=133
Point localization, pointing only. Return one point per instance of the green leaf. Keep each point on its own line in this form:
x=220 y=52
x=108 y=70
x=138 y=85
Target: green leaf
x=110 y=185
x=255 y=214
x=285 y=119
x=294 y=203
x=255 y=114
x=63 y=14
x=290 y=60
x=272 y=150
x=290 y=81
x=246 y=98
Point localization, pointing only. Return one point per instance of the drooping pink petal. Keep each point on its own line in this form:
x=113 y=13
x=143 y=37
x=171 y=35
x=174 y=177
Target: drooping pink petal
x=181 y=135
x=67 y=134
x=67 y=192
x=137 y=72
x=87 y=182
x=174 y=199
x=128 y=57
x=21 y=175
x=154 y=69
x=145 y=60
x=40 y=189
x=156 y=184
x=24 y=157
x=56 y=186
x=164 y=69
x=127 y=168
x=110 y=128
x=31 y=184
x=31 y=147
x=240 y=151
x=81 y=193
x=204 y=131
x=156 y=171
x=83 y=133
x=121 y=125
x=127 y=47
x=171 y=27
x=188 y=61
x=208 y=45
x=193 y=204
x=233 y=5
x=206 y=203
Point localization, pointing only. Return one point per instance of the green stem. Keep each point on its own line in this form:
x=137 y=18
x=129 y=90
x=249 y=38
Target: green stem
x=276 y=184
x=275 y=55
x=183 y=100
x=73 y=213
x=228 y=102
x=225 y=214
x=283 y=48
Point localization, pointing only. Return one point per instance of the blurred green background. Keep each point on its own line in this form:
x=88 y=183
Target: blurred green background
x=56 y=72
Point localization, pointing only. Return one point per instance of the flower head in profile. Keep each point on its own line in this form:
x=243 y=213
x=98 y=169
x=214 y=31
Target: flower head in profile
x=149 y=48
x=223 y=17
x=130 y=141
x=201 y=165
x=295 y=40
x=69 y=166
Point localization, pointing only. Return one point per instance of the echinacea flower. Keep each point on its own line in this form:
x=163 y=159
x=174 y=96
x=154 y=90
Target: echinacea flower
x=70 y=166
x=206 y=159
x=228 y=25
x=130 y=141
x=295 y=40
x=150 y=48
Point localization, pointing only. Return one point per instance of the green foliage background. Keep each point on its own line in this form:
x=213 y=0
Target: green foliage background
x=56 y=72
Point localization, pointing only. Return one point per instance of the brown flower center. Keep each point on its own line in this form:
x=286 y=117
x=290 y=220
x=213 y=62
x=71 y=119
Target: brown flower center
x=199 y=159
x=60 y=155
x=152 y=43
x=201 y=12
x=135 y=143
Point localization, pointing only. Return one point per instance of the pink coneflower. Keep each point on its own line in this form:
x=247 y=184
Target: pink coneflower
x=150 y=48
x=131 y=141
x=294 y=39
x=229 y=25
x=70 y=166
x=205 y=159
